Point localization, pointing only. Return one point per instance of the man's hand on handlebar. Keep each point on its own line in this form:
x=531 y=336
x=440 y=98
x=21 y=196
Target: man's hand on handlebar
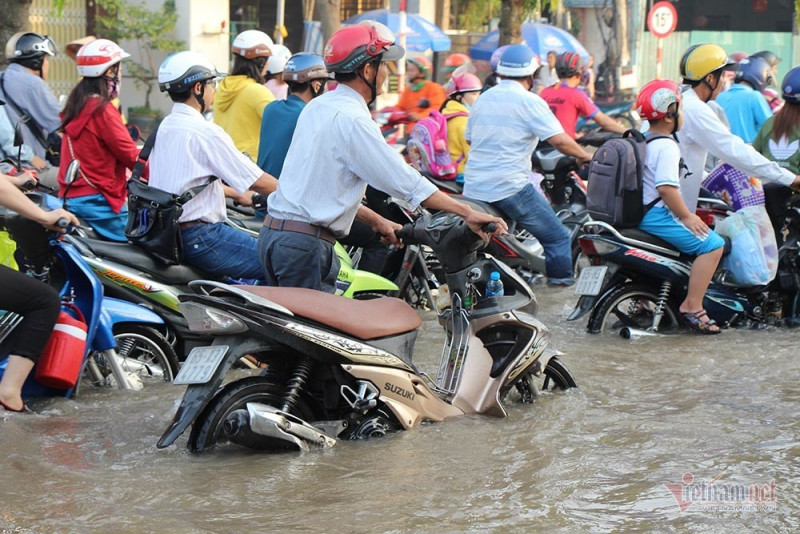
x=386 y=229
x=50 y=220
x=477 y=219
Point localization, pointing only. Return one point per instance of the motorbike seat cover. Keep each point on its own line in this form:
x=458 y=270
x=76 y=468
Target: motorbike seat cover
x=132 y=256
x=485 y=207
x=363 y=319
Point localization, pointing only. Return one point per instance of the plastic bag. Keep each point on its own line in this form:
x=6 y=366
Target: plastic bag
x=753 y=260
x=734 y=187
x=7 y=248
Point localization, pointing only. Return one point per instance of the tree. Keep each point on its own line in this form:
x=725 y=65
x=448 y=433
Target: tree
x=329 y=14
x=514 y=12
x=14 y=19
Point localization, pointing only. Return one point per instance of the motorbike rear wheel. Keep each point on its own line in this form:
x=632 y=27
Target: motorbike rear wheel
x=221 y=421
x=634 y=306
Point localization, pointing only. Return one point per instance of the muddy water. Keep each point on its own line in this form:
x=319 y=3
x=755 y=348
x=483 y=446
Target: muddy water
x=650 y=413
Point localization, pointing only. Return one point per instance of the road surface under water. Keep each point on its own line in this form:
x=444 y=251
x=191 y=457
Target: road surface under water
x=651 y=416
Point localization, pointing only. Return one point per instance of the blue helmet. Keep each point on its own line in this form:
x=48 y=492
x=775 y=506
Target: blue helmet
x=495 y=59
x=304 y=67
x=518 y=61
x=756 y=71
x=790 y=88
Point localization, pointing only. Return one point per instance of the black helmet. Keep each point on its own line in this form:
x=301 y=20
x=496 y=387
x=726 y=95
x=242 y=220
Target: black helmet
x=29 y=49
x=755 y=71
x=770 y=57
x=568 y=64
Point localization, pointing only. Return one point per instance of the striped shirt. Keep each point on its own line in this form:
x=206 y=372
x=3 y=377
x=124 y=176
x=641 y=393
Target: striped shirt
x=336 y=151
x=504 y=127
x=188 y=151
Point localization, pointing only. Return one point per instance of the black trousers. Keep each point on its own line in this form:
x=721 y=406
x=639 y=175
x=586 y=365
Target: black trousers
x=37 y=303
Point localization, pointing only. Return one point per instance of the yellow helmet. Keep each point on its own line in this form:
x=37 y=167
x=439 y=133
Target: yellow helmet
x=702 y=59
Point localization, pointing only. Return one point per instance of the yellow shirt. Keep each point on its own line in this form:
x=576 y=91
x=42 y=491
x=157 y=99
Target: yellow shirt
x=456 y=127
x=238 y=107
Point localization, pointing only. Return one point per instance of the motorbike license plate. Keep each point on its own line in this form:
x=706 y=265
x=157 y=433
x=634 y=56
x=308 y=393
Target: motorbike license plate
x=200 y=365
x=590 y=282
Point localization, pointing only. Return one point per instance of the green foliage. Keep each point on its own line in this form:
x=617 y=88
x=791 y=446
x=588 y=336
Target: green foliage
x=475 y=15
x=149 y=30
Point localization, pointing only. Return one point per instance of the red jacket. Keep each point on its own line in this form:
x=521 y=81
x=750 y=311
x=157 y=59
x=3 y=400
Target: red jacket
x=104 y=148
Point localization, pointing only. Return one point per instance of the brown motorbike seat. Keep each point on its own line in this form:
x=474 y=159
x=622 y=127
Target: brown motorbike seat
x=363 y=319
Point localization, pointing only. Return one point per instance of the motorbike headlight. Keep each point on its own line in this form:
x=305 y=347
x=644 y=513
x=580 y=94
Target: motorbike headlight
x=210 y=320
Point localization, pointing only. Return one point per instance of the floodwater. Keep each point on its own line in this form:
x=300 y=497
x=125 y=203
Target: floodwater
x=651 y=416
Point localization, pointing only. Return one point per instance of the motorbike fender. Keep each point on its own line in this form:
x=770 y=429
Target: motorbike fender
x=114 y=311
x=198 y=396
x=405 y=394
x=364 y=281
x=584 y=306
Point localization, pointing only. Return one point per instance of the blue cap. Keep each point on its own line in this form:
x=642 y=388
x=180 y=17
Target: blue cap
x=495 y=275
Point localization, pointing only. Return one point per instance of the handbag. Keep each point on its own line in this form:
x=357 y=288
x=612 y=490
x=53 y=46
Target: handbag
x=153 y=213
x=50 y=141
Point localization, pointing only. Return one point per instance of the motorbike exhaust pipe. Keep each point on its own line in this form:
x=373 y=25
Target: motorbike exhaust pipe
x=635 y=333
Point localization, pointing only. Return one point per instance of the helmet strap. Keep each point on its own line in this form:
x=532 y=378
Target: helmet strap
x=199 y=97
x=373 y=85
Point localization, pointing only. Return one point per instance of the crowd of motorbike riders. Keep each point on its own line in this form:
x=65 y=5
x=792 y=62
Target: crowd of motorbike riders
x=282 y=131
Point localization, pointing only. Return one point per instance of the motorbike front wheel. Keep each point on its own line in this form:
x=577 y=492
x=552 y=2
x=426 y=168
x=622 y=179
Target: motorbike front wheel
x=556 y=377
x=225 y=418
x=633 y=306
x=144 y=352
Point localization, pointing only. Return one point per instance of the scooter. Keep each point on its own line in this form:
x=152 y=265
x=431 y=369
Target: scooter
x=124 y=348
x=637 y=281
x=340 y=369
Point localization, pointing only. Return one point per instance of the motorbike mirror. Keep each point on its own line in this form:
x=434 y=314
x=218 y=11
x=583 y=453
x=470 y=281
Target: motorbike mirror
x=72 y=171
x=18 y=138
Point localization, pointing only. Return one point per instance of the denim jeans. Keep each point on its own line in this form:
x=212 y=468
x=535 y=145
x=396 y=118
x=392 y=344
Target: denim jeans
x=532 y=212
x=222 y=250
x=292 y=259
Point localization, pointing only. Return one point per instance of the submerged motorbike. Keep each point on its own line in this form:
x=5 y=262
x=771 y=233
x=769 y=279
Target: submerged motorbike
x=124 y=346
x=637 y=281
x=342 y=369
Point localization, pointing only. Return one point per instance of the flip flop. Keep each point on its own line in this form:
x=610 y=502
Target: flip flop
x=695 y=322
x=8 y=408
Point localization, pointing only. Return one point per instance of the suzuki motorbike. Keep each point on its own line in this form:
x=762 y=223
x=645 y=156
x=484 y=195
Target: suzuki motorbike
x=124 y=346
x=637 y=282
x=341 y=369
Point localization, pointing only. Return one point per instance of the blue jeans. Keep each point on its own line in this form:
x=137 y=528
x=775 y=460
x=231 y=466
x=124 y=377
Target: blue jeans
x=222 y=250
x=532 y=212
x=291 y=259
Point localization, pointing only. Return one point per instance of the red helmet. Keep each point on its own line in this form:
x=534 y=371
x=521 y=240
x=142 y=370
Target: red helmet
x=738 y=56
x=656 y=97
x=351 y=47
x=454 y=61
x=568 y=64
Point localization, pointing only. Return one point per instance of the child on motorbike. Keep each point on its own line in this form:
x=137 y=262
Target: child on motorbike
x=420 y=95
x=35 y=301
x=93 y=133
x=463 y=90
x=668 y=217
x=779 y=140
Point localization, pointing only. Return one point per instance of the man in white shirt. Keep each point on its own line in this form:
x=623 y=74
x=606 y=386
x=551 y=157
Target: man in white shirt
x=504 y=127
x=190 y=151
x=701 y=68
x=336 y=151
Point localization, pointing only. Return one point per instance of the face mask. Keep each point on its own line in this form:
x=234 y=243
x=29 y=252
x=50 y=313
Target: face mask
x=113 y=86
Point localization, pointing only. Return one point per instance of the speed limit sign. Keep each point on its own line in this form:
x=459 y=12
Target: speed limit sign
x=662 y=19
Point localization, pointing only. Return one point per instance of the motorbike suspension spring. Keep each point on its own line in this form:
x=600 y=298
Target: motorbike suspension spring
x=295 y=384
x=126 y=346
x=663 y=295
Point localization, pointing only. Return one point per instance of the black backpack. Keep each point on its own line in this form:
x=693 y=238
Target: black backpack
x=614 y=193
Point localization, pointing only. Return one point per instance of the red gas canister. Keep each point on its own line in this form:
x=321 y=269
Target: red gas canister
x=60 y=364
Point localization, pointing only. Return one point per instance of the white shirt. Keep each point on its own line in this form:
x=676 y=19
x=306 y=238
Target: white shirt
x=702 y=133
x=661 y=167
x=504 y=127
x=336 y=151
x=188 y=151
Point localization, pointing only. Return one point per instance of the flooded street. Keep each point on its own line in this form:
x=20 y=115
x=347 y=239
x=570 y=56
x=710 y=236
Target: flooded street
x=651 y=413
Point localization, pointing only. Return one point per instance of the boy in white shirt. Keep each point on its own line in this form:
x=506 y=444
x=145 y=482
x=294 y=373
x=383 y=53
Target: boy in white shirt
x=668 y=217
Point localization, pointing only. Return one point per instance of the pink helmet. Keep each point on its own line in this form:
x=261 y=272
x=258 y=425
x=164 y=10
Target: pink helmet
x=463 y=83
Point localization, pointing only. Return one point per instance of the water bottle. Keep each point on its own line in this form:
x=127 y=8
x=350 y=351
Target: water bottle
x=495 y=286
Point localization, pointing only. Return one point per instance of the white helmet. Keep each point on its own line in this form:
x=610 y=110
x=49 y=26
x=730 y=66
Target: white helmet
x=252 y=44
x=96 y=57
x=180 y=71
x=277 y=62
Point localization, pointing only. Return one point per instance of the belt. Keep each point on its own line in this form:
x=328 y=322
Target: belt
x=191 y=223
x=300 y=228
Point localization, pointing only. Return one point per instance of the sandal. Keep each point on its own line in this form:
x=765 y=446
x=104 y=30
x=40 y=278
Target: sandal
x=8 y=408
x=695 y=322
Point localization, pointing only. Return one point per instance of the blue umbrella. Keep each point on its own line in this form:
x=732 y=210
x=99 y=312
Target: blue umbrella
x=421 y=34
x=542 y=38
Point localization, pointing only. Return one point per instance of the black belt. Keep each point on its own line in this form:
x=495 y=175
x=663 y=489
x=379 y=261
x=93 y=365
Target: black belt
x=300 y=228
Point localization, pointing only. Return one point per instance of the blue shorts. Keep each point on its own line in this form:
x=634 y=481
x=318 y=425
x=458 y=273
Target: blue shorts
x=660 y=222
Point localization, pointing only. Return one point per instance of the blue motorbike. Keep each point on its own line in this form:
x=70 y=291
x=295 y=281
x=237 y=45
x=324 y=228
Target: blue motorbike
x=124 y=345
